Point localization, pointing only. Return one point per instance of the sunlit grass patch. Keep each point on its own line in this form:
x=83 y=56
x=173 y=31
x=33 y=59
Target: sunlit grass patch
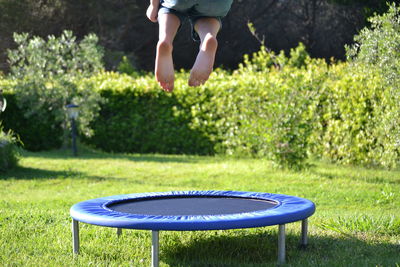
x=356 y=222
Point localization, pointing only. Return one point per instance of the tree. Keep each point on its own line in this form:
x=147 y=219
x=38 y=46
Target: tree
x=48 y=74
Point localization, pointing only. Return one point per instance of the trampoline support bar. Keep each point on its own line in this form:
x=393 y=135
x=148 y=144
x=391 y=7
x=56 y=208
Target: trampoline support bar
x=304 y=230
x=154 y=248
x=75 y=236
x=119 y=232
x=281 y=244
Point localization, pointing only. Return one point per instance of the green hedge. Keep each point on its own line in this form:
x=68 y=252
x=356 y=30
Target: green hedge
x=303 y=107
x=283 y=108
x=139 y=117
x=244 y=112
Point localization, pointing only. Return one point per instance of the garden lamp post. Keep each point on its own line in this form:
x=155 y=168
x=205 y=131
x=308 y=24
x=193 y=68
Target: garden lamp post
x=73 y=112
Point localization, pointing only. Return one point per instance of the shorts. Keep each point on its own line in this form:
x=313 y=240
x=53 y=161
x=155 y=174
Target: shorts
x=195 y=9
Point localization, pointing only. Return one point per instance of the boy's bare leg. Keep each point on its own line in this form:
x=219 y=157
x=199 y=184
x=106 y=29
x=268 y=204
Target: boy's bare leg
x=164 y=69
x=207 y=29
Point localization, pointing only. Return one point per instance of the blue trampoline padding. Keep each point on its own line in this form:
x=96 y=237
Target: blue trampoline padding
x=279 y=209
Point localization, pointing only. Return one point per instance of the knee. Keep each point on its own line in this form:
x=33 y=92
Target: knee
x=165 y=45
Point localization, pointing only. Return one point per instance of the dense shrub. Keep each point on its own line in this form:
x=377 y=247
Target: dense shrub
x=35 y=133
x=377 y=48
x=346 y=118
x=277 y=119
x=8 y=150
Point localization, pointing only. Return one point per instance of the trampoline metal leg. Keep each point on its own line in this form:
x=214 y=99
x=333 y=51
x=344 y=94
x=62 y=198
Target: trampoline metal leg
x=281 y=244
x=119 y=232
x=304 y=231
x=154 y=248
x=75 y=236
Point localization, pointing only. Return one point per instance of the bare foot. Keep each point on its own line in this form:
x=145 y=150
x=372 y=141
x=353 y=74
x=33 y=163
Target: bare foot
x=204 y=63
x=165 y=66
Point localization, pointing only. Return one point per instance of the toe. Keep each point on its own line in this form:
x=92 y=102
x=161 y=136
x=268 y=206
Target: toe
x=168 y=86
x=194 y=83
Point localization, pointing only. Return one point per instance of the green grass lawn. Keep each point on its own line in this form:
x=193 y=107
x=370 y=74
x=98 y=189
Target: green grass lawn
x=357 y=221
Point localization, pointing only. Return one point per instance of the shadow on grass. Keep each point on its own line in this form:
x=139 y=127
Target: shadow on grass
x=370 y=179
x=261 y=250
x=331 y=171
x=23 y=173
x=91 y=154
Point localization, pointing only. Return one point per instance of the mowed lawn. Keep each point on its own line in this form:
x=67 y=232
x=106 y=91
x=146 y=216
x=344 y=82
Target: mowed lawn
x=357 y=221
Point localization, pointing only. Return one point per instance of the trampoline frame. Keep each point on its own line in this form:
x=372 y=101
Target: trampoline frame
x=155 y=233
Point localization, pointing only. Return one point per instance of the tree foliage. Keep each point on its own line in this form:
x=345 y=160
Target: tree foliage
x=324 y=27
x=377 y=48
x=46 y=73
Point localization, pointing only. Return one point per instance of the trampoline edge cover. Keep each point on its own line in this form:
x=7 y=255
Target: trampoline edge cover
x=270 y=209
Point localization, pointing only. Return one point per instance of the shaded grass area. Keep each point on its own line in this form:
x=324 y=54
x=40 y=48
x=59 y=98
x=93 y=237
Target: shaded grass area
x=357 y=220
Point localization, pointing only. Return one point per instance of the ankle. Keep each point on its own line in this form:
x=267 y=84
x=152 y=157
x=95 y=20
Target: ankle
x=210 y=42
x=164 y=46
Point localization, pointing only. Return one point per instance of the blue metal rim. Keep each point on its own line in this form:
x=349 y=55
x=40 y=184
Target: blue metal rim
x=289 y=209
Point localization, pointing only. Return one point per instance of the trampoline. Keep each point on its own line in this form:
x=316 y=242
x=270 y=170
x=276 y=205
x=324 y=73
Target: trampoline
x=193 y=211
